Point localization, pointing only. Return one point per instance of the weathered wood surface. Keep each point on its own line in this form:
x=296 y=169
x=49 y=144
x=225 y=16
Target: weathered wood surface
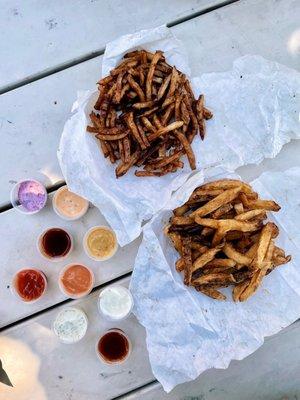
x=39 y=36
x=31 y=121
x=19 y=235
x=271 y=373
x=32 y=117
x=42 y=368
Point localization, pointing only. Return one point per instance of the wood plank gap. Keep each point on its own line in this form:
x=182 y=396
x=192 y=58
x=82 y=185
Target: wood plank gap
x=199 y=13
x=64 y=302
x=136 y=390
x=97 y=53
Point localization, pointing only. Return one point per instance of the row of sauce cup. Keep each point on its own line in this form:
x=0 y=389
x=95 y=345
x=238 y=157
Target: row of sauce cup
x=115 y=302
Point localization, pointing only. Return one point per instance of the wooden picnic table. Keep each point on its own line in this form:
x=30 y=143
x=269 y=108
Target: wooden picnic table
x=49 y=51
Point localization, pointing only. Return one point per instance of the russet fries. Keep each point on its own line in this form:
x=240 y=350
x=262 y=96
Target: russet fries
x=146 y=116
x=222 y=238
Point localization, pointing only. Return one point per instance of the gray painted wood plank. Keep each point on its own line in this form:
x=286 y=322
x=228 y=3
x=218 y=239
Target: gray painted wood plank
x=19 y=235
x=31 y=122
x=38 y=35
x=271 y=373
x=42 y=368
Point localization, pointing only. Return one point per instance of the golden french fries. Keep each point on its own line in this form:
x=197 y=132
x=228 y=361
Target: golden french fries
x=222 y=239
x=146 y=116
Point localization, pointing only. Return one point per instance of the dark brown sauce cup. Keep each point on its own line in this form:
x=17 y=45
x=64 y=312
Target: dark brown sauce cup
x=55 y=244
x=113 y=347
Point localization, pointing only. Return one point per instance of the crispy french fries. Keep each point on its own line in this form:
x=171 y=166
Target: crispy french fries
x=147 y=116
x=223 y=241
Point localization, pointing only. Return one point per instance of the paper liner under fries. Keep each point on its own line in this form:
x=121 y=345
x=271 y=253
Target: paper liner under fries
x=255 y=107
x=188 y=332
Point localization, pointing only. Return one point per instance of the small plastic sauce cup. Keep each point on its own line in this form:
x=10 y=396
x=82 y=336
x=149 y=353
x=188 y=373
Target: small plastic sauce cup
x=56 y=323
x=97 y=241
x=70 y=201
x=37 y=201
x=56 y=238
x=29 y=284
x=76 y=280
x=118 y=296
x=113 y=347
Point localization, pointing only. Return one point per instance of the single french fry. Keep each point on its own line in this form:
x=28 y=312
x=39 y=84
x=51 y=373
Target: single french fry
x=246 y=216
x=253 y=284
x=223 y=198
x=213 y=293
x=179 y=211
x=222 y=210
x=149 y=79
x=228 y=184
x=268 y=205
x=112 y=137
x=187 y=256
x=188 y=149
x=164 y=87
x=177 y=242
x=180 y=264
x=205 y=258
x=182 y=220
x=227 y=224
x=136 y=87
x=263 y=244
x=221 y=262
x=238 y=290
x=238 y=257
x=171 y=127
x=223 y=278
x=132 y=126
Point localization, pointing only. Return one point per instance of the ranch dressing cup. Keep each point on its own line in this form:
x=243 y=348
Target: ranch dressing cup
x=69 y=205
x=70 y=325
x=115 y=303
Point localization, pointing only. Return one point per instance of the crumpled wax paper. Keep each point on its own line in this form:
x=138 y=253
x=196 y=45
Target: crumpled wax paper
x=188 y=333
x=255 y=107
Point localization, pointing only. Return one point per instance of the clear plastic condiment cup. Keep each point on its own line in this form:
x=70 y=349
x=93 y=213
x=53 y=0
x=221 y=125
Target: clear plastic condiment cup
x=61 y=215
x=117 y=362
x=86 y=248
x=71 y=295
x=15 y=291
x=14 y=197
x=106 y=315
x=83 y=314
x=42 y=251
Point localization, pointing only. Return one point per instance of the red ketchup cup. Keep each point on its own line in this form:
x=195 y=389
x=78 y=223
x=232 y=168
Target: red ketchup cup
x=29 y=284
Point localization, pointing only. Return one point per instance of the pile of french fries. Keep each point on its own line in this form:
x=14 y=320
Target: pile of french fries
x=222 y=238
x=146 y=115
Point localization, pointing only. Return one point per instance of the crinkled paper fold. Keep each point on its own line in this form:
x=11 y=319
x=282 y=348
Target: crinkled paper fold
x=188 y=333
x=255 y=106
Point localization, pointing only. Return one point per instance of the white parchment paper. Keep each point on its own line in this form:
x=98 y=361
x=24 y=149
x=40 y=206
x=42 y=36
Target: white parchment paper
x=188 y=333
x=256 y=111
